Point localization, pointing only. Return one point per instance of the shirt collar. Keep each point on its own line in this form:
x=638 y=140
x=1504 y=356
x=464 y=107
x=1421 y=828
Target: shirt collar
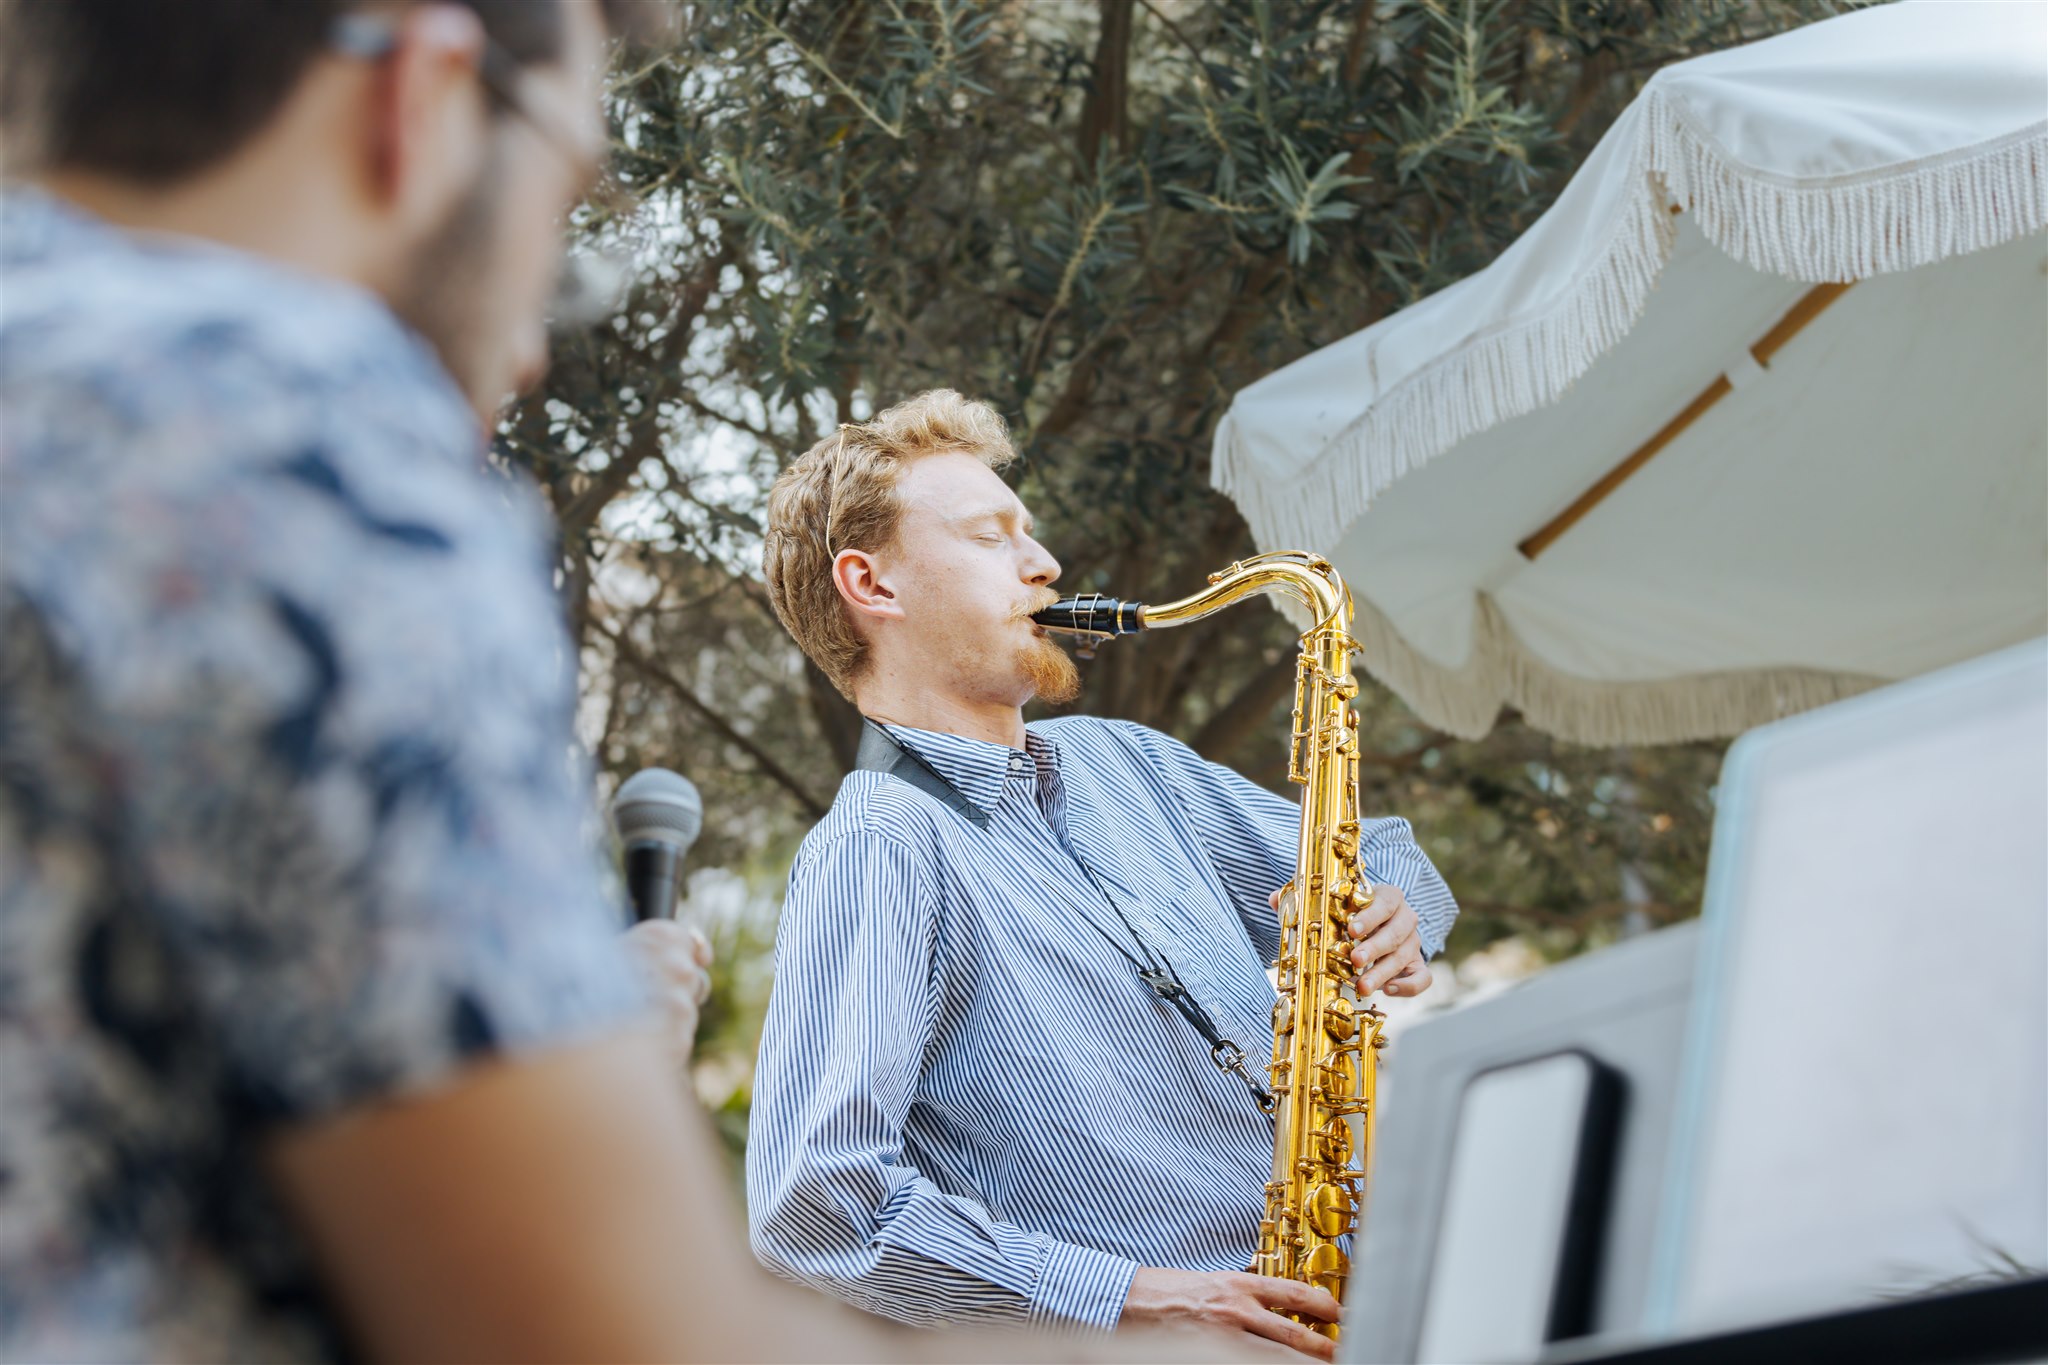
x=977 y=769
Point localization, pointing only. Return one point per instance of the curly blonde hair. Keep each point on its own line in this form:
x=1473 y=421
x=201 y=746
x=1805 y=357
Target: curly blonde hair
x=841 y=495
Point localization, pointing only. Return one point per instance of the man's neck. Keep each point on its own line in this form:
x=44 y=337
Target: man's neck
x=923 y=708
x=298 y=221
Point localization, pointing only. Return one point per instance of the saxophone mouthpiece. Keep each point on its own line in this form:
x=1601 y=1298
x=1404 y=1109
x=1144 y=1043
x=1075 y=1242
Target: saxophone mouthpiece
x=1092 y=615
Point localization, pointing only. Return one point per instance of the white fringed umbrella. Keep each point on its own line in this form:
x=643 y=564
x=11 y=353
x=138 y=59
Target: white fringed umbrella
x=1755 y=417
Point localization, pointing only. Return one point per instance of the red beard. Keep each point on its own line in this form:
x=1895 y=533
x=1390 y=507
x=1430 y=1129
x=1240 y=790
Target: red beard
x=1053 y=675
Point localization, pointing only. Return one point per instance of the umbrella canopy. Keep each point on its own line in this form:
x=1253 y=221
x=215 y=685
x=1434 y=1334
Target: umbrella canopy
x=1755 y=417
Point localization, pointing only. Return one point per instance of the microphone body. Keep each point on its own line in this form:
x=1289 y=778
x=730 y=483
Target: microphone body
x=658 y=815
x=654 y=873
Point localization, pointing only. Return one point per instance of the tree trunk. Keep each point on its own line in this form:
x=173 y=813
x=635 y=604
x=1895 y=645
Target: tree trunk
x=1103 y=115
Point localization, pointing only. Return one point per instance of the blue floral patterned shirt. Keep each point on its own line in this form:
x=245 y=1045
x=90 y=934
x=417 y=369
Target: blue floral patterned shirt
x=290 y=818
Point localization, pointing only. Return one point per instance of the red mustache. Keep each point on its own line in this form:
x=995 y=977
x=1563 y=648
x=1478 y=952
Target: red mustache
x=1025 y=613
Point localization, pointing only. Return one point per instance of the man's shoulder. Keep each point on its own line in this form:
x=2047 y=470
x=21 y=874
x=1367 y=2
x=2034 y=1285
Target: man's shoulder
x=182 y=409
x=1108 y=737
x=254 y=477
x=130 y=334
x=1088 y=729
x=875 y=815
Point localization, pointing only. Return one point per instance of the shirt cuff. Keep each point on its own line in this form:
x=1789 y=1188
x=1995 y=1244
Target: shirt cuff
x=1080 y=1285
x=1433 y=920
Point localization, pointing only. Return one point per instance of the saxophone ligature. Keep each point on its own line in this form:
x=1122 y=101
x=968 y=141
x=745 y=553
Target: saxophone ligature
x=1325 y=1040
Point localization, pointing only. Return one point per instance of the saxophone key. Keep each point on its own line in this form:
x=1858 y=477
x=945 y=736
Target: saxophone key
x=1330 y=1207
x=1327 y=1268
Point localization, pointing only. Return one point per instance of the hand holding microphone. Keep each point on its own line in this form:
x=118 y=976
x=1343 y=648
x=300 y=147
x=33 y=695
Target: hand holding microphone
x=658 y=814
x=677 y=959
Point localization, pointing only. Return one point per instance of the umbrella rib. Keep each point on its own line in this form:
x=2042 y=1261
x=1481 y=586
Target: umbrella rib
x=1811 y=305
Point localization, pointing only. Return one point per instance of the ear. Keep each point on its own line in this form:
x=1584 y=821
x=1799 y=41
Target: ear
x=429 y=122
x=858 y=576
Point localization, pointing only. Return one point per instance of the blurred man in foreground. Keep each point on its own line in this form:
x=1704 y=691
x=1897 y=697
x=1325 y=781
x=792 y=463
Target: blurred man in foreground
x=315 y=1033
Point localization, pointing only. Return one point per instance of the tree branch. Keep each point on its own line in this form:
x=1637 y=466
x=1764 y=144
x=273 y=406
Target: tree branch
x=824 y=68
x=581 y=510
x=1103 y=115
x=631 y=655
x=1194 y=51
x=1245 y=303
x=687 y=396
x=1234 y=721
x=1586 y=89
x=1072 y=404
x=1355 y=46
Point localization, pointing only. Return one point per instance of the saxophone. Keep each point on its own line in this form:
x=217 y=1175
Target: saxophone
x=1325 y=1042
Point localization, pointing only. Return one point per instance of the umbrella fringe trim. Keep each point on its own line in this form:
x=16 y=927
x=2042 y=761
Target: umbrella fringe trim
x=1502 y=671
x=1851 y=227
x=1875 y=222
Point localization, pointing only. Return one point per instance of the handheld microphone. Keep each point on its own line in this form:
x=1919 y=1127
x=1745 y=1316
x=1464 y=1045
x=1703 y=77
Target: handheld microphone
x=657 y=814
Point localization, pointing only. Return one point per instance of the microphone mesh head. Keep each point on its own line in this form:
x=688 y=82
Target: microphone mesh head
x=656 y=805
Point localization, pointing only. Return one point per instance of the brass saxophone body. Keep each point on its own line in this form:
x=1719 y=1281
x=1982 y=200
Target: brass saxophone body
x=1325 y=1042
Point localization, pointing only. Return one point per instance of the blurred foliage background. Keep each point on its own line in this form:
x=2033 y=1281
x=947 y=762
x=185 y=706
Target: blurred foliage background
x=1103 y=217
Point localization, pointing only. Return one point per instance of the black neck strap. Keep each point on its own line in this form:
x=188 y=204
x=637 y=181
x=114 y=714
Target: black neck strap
x=880 y=753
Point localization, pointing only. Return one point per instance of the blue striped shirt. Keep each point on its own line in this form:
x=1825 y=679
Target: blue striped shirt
x=967 y=1107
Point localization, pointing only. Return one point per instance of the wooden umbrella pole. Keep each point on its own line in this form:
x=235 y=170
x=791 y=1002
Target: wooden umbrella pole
x=1810 y=306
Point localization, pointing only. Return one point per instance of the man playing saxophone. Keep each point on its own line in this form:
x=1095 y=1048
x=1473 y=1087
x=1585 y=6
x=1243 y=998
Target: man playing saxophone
x=1015 y=961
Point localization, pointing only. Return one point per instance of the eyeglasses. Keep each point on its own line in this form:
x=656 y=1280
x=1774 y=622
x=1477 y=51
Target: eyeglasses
x=592 y=281
x=373 y=37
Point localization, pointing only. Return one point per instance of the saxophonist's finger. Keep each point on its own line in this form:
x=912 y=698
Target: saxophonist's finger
x=1292 y=1296
x=1392 y=965
x=1387 y=901
x=1414 y=981
x=1293 y=1335
x=1398 y=928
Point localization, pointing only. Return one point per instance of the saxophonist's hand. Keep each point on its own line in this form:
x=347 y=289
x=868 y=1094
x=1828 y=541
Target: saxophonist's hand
x=1237 y=1303
x=1389 y=953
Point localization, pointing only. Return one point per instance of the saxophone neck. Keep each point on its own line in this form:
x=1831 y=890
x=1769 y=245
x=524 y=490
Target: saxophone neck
x=1308 y=579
